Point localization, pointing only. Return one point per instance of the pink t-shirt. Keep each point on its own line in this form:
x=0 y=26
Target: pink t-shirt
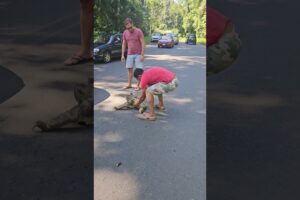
x=216 y=23
x=155 y=75
x=133 y=40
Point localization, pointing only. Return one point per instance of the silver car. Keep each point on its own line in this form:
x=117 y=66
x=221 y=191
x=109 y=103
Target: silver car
x=155 y=37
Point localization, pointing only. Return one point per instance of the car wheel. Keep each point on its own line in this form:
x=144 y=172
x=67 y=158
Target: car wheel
x=107 y=57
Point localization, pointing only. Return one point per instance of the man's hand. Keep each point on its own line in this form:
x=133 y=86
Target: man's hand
x=136 y=104
x=123 y=59
x=142 y=58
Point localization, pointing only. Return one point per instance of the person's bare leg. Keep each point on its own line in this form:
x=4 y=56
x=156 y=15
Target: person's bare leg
x=130 y=74
x=160 y=101
x=138 y=85
x=150 y=101
x=86 y=27
x=86 y=31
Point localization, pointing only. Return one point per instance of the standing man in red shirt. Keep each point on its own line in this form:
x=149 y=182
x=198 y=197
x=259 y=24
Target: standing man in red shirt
x=154 y=81
x=134 y=38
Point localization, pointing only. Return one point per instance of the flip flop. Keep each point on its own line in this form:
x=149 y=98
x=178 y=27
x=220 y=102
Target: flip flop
x=127 y=87
x=137 y=89
x=160 y=108
x=146 y=117
x=40 y=126
x=76 y=60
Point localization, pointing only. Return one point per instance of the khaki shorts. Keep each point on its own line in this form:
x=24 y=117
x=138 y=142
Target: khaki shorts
x=162 y=88
x=223 y=53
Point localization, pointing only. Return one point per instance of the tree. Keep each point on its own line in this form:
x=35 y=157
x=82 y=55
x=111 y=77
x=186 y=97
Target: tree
x=181 y=16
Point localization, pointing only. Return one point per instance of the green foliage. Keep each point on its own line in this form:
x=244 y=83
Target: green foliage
x=178 y=16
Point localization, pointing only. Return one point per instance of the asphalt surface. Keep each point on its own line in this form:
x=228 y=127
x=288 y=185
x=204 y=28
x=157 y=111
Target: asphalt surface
x=161 y=160
x=35 y=38
x=253 y=107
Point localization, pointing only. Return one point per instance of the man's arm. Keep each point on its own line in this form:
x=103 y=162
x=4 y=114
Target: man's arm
x=141 y=99
x=142 y=40
x=123 y=50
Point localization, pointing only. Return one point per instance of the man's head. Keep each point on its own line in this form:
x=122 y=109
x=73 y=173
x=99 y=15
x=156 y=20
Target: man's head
x=128 y=24
x=138 y=73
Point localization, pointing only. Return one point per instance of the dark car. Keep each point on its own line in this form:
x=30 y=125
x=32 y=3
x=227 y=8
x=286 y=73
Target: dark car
x=109 y=46
x=191 y=39
x=166 y=41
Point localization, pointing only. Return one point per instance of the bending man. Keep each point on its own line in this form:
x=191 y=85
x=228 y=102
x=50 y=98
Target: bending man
x=154 y=81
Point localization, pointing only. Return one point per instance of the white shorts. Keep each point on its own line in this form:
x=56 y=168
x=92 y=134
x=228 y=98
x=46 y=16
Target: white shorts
x=134 y=61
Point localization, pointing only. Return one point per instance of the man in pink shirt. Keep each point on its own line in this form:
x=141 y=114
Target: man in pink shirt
x=134 y=38
x=154 y=81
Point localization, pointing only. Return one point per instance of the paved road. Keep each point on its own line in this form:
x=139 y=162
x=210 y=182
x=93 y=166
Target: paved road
x=35 y=38
x=161 y=160
x=253 y=108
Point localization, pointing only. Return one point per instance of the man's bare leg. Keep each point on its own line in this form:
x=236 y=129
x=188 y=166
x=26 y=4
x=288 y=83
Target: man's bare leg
x=86 y=27
x=129 y=75
x=150 y=100
x=86 y=31
x=160 y=101
x=138 y=85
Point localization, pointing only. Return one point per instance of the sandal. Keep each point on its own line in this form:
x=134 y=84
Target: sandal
x=137 y=88
x=127 y=87
x=40 y=126
x=145 y=116
x=160 y=108
x=76 y=59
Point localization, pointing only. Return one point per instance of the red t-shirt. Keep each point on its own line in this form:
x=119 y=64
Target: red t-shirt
x=155 y=75
x=133 y=40
x=216 y=23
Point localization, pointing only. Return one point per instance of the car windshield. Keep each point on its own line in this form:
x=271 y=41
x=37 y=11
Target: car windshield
x=192 y=36
x=103 y=38
x=165 y=37
x=156 y=34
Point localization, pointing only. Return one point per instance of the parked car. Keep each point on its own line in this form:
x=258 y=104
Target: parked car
x=166 y=41
x=108 y=47
x=175 y=38
x=155 y=37
x=191 y=39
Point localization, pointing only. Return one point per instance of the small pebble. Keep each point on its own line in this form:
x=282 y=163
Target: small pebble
x=119 y=164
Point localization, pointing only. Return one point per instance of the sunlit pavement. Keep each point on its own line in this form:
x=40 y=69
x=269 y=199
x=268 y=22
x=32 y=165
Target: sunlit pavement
x=161 y=160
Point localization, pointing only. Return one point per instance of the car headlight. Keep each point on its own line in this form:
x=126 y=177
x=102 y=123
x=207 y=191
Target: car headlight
x=96 y=50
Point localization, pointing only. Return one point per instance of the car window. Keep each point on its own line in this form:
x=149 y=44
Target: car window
x=156 y=34
x=166 y=37
x=103 y=38
x=110 y=39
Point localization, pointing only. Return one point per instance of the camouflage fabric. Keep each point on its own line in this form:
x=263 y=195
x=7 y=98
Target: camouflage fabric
x=129 y=104
x=82 y=113
x=162 y=88
x=222 y=54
